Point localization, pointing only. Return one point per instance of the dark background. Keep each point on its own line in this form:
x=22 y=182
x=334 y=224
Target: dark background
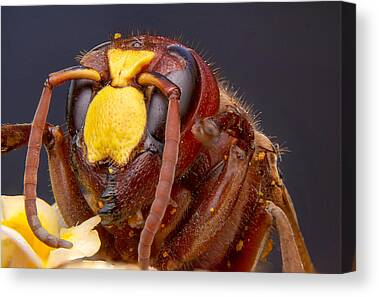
x=284 y=58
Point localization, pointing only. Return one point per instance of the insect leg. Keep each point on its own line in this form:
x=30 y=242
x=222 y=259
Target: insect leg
x=250 y=242
x=254 y=224
x=291 y=259
x=269 y=184
x=72 y=205
x=231 y=121
x=288 y=229
x=14 y=136
x=34 y=148
x=67 y=194
x=169 y=160
x=178 y=207
x=280 y=206
x=218 y=199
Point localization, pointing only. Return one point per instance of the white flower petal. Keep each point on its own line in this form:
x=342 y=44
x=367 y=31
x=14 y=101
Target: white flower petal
x=86 y=243
x=11 y=254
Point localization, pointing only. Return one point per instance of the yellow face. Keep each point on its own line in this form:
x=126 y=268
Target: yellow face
x=116 y=118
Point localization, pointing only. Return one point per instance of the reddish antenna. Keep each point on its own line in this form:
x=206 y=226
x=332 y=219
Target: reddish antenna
x=169 y=160
x=34 y=148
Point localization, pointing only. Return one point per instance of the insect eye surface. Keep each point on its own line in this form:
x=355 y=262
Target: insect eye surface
x=186 y=80
x=79 y=97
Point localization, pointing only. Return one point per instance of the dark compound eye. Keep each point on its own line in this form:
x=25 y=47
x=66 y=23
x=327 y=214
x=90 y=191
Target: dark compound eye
x=186 y=80
x=79 y=97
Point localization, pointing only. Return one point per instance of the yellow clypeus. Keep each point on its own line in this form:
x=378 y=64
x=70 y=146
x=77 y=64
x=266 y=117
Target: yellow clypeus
x=114 y=124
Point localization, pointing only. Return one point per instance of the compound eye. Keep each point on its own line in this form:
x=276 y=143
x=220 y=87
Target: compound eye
x=79 y=97
x=186 y=80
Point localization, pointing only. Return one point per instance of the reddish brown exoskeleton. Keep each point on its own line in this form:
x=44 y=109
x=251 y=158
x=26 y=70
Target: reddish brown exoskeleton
x=169 y=159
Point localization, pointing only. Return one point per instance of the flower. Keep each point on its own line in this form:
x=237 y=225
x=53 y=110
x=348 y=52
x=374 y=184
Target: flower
x=20 y=248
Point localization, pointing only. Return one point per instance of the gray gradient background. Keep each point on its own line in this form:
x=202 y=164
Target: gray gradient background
x=285 y=59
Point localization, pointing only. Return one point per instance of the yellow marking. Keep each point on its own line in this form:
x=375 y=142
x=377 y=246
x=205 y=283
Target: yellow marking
x=100 y=204
x=260 y=194
x=273 y=183
x=239 y=245
x=212 y=210
x=266 y=251
x=261 y=156
x=18 y=222
x=173 y=211
x=165 y=254
x=124 y=65
x=114 y=125
x=117 y=35
x=110 y=170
